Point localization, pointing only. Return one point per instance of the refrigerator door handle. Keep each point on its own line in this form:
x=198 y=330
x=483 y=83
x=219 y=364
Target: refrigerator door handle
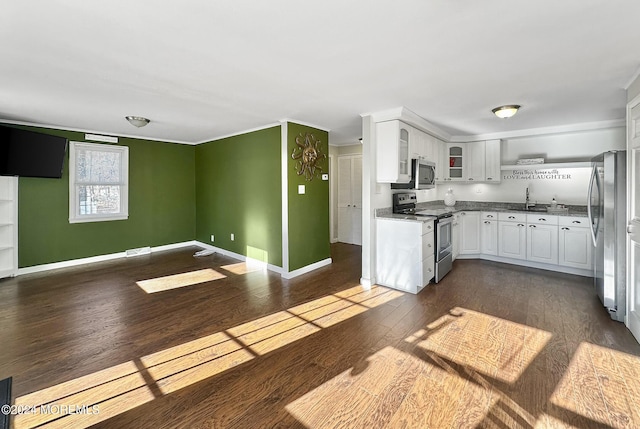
x=589 y=214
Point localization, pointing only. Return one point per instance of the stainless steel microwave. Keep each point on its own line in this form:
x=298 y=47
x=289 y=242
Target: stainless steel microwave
x=423 y=174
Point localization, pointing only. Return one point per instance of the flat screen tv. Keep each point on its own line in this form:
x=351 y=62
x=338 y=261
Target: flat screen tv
x=30 y=154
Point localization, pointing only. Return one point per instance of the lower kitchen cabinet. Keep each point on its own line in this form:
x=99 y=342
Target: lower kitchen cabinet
x=405 y=254
x=512 y=237
x=574 y=247
x=455 y=236
x=542 y=243
x=489 y=236
x=469 y=233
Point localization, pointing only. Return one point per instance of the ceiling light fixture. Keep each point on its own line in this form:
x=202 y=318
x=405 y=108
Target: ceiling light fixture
x=137 y=121
x=507 y=111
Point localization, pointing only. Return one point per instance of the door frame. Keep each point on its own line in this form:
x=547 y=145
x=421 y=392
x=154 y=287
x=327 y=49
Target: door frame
x=632 y=321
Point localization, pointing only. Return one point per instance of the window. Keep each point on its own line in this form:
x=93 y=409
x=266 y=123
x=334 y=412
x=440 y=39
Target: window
x=98 y=182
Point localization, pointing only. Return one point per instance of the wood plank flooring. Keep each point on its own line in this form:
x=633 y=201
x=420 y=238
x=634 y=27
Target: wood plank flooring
x=218 y=344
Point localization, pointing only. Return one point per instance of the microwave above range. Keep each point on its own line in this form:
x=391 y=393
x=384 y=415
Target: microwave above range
x=423 y=174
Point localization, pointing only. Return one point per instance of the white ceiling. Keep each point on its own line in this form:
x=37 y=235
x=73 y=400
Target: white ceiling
x=203 y=69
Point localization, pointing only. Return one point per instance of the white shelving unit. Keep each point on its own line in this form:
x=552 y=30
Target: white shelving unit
x=584 y=164
x=8 y=226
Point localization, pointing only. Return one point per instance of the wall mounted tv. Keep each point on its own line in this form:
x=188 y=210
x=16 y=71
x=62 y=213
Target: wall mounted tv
x=30 y=154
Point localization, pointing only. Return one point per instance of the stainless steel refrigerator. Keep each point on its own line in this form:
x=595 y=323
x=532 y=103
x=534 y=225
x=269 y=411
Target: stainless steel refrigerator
x=606 y=208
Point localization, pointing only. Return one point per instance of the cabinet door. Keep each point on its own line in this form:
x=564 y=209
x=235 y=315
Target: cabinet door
x=455 y=236
x=393 y=163
x=442 y=160
x=542 y=243
x=455 y=169
x=430 y=148
x=475 y=162
x=489 y=237
x=512 y=240
x=350 y=199
x=469 y=233
x=574 y=247
x=492 y=161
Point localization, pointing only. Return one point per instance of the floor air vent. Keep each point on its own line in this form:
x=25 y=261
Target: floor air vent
x=139 y=251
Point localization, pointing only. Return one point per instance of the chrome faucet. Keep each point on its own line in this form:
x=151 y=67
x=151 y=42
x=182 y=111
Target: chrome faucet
x=527 y=204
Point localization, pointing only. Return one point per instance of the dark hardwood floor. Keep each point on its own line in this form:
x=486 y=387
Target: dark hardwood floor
x=492 y=345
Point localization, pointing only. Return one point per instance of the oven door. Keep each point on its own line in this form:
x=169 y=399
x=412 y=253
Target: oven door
x=444 y=240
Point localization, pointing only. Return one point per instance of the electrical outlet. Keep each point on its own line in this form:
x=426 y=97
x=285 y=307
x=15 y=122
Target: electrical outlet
x=233 y=236
x=212 y=238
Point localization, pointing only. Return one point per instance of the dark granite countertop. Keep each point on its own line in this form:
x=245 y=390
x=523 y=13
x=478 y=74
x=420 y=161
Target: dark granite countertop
x=573 y=210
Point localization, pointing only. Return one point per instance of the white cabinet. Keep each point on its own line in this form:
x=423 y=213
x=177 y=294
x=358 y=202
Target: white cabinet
x=475 y=160
x=512 y=235
x=455 y=164
x=542 y=238
x=492 y=161
x=489 y=233
x=469 y=233
x=405 y=254
x=574 y=243
x=442 y=160
x=455 y=236
x=350 y=199
x=393 y=164
x=8 y=226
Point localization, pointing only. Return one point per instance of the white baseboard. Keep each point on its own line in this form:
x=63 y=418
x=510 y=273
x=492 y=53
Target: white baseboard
x=118 y=255
x=531 y=264
x=234 y=255
x=99 y=258
x=367 y=282
x=307 y=268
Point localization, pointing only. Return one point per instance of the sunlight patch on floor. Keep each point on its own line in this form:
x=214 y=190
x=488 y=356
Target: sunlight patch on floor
x=393 y=388
x=492 y=346
x=242 y=268
x=602 y=385
x=122 y=387
x=179 y=280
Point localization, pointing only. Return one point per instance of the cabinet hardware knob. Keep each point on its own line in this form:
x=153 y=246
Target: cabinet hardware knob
x=542 y=219
x=512 y=217
x=489 y=178
x=576 y=221
x=520 y=224
x=470 y=178
x=429 y=245
x=532 y=226
x=489 y=215
x=565 y=228
x=486 y=221
x=463 y=213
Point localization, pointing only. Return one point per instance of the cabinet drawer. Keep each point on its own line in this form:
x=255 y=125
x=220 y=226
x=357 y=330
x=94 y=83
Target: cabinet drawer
x=427 y=245
x=542 y=219
x=428 y=270
x=513 y=217
x=577 y=221
x=489 y=216
x=427 y=226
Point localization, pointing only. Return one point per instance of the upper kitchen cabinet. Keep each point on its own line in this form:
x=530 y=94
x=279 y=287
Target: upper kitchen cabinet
x=393 y=152
x=475 y=162
x=455 y=169
x=492 y=161
x=441 y=160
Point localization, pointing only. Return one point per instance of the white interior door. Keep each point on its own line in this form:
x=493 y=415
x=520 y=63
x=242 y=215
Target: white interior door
x=350 y=199
x=633 y=210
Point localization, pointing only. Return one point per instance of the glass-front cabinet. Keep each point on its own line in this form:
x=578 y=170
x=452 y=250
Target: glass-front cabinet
x=393 y=152
x=455 y=170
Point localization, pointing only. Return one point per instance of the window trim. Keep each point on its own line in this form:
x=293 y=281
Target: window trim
x=74 y=199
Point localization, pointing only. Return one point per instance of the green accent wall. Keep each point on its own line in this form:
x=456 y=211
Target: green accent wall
x=239 y=191
x=309 y=212
x=161 y=206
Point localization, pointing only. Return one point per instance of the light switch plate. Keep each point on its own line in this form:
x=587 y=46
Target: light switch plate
x=301 y=189
x=325 y=177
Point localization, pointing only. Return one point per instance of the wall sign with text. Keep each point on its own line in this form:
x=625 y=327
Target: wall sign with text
x=550 y=174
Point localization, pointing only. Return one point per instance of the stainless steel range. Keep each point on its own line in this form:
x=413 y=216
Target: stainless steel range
x=443 y=240
x=405 y=203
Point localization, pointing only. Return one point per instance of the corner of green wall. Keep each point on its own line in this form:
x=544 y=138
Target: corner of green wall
x=308 y=214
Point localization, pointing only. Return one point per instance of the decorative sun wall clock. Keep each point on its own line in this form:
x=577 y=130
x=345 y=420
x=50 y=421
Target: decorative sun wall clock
x=308 y=154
